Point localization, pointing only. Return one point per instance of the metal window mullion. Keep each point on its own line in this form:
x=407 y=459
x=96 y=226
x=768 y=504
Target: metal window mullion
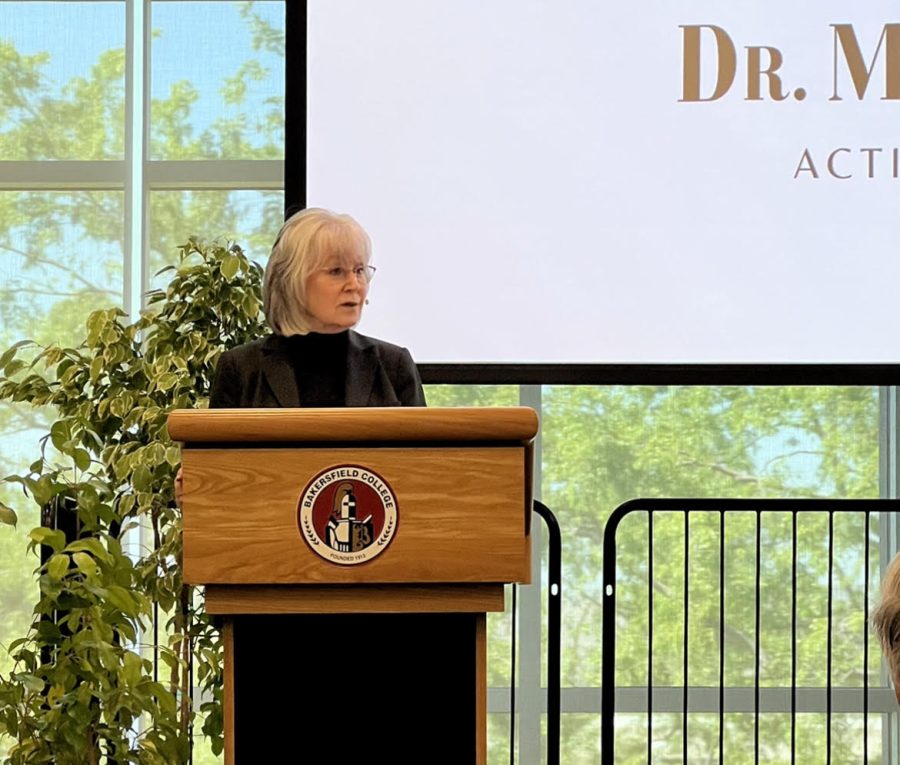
x=531 y=703
x=649 y=637
x=214 y=174
x=136 y=99
x=685 y=633
x=865 y=697
x=888 y=470
x=62 y=175
x=134 y=285
x=829 y=643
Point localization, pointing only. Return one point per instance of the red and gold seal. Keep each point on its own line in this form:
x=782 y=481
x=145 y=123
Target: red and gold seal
x=348 y=514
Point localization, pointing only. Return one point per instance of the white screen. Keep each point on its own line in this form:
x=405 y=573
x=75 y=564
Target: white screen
x=538 y=190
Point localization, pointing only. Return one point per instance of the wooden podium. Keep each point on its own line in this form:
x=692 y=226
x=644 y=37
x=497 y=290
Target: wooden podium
x=353 y=555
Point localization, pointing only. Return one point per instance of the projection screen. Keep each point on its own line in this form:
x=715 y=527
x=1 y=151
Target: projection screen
x=592 y=182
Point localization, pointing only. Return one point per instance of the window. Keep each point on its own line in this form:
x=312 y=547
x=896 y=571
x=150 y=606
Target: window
x=122 y=132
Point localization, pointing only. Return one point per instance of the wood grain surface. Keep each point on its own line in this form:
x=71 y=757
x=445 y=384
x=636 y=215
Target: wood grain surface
x=510 y=424
x=356 y=599
x=461 y=515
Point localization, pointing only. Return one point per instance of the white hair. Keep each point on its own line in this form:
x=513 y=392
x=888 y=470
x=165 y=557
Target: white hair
x=306 y=239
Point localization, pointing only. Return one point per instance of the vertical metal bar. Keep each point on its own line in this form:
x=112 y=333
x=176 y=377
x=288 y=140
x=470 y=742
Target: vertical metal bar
x=684 y=701
x=888 y=472
x=608 y=666
x=554 y=628
x=649 y=637
x=512 y=678
x=190 y=686
x=793 y=637
x=135 y=218
x=155 y=627
x=757 y=641
x=865 y=630
x=829 y=638
x=295 y=102
x=721 y=636
x=136 y=98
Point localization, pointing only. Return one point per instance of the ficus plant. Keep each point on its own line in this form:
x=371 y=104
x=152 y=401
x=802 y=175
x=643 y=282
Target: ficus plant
x=104 y=672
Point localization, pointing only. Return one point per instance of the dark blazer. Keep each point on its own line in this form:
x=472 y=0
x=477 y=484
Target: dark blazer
x=261 y=374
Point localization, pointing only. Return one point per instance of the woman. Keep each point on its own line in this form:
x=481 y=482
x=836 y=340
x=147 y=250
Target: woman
x=315 y=287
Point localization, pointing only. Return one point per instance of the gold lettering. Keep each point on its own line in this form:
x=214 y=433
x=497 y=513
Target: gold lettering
x=755 y=73
x=726 y=63
x=860 y=74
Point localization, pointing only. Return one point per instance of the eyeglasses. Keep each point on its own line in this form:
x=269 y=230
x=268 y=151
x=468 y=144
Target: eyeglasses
x=360 y=273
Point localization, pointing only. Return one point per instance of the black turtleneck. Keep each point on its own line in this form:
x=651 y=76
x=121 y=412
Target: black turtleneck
x=320 y=367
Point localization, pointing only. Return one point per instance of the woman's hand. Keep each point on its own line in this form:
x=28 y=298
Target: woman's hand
x=179 y=487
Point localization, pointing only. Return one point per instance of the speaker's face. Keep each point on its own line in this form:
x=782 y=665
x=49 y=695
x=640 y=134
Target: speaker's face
x=335 y=295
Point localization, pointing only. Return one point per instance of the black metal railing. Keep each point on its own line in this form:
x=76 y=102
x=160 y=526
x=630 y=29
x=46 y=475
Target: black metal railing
x=554 y=637
x=783 y=555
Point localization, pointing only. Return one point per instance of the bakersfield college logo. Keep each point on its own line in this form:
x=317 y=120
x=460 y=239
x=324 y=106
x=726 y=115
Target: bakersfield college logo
x=347 y=514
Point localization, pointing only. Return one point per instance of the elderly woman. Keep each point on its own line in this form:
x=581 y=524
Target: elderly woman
x=886 y=621
x=315 y=288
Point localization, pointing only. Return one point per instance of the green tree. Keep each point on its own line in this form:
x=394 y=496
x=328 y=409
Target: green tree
x=605 y=445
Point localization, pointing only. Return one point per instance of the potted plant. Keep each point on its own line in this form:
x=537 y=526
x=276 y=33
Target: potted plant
x=106 y=668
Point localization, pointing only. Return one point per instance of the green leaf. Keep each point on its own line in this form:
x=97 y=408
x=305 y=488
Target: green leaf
x=8 y=515
x=166 y=381
x=123 y=600
x=82 y=459
x=117 y=407
x=60 y=434
x=96 y=369
x=173 y=456
x=95 y=323
x=52 y=538
x=58 y=566
x=230 y=265
x=86 y=564
x=93 y=546
x=250 y=304
x=141 y=478
x=11 y=367
x=31 y=682
x=55 y=693
x=11 y=352
x=134 y=669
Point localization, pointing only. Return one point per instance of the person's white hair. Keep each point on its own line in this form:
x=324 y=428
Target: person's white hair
x=886 y=620
x=306 y=240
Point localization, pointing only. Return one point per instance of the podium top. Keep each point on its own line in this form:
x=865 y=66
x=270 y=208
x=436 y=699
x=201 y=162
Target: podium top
x=511 y=424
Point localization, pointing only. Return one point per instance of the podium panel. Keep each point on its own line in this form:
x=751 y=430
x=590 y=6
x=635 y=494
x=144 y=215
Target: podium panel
x=243 y=523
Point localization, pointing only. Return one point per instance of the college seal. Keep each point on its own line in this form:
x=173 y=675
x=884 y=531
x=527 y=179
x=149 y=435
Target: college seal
x=347 y=514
